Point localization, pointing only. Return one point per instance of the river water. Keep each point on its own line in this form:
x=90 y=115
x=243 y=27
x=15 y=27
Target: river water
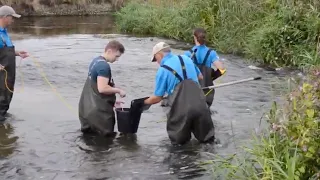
x=42 y=140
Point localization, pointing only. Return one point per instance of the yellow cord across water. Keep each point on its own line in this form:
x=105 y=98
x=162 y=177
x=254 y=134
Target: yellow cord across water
x=52 y=87
x=44 y=78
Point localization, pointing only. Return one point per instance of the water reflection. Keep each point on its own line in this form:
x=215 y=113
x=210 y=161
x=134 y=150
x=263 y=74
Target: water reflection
x=7 y=140
x=52 y=26
x=95 y=143
x=183 y=161
x=128 y=142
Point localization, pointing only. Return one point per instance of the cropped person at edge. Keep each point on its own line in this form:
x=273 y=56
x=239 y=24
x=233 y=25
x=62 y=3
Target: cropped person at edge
x=7 y=59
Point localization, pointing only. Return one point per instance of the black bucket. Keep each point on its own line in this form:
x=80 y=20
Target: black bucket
x=128 y=119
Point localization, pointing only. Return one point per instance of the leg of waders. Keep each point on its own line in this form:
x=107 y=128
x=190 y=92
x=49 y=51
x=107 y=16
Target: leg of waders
x=209 y=97
x=5 y=99
x=85 y=127
x=179 y=132
x=107 y=126
x=203 y=128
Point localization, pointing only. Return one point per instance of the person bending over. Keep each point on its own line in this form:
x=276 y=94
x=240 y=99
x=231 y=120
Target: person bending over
x=188 y=113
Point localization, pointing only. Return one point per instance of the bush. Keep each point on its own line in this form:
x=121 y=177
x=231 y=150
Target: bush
x=285 y=36
x=290 y=148
x=281 y=33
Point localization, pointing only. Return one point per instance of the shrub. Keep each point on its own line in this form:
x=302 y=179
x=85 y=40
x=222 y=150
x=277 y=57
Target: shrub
x=290 y=148
x=285 y=37
x=281 y=33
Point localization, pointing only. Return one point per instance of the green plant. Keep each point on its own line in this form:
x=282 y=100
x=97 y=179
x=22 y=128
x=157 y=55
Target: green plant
x=289 y=149
x=281 y=33
x=285 y=37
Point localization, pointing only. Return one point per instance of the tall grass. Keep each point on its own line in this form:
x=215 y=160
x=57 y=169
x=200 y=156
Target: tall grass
x=277 y=32
x=289 y=149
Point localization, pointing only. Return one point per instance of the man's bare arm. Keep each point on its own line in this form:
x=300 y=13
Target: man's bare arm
x=104 y=88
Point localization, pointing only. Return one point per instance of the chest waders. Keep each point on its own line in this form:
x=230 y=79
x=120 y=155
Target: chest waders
x=8 y=60
x=96 y=112
x=187 y=111
x=207 y=77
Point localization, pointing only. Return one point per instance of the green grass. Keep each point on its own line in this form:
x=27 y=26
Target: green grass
x=289 y=149
x=276 y=32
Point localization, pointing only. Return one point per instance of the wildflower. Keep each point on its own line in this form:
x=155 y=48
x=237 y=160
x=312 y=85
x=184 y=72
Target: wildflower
x=304 y=148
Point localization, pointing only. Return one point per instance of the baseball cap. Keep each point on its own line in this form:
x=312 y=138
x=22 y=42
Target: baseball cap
x=8 y=11
x=157 y=48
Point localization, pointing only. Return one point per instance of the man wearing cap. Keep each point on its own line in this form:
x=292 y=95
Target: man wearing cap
x=7 y=59
x=178 y=77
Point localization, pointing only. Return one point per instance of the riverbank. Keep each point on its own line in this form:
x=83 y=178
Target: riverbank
x=274 y=32
x=289 y=148
x=63 y=7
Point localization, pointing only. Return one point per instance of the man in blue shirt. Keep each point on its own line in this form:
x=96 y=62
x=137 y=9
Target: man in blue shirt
x=98 y=96
x=178 y=77
x=7 y=60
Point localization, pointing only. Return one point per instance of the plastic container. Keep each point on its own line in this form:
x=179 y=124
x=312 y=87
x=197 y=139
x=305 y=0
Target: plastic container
x=127 y=123
x=128 y=119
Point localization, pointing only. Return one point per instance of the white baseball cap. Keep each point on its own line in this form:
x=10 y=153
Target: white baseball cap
x=157 y=48
x=8 y=11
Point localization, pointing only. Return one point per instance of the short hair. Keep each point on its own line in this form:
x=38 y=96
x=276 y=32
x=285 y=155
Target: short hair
x=115 y=45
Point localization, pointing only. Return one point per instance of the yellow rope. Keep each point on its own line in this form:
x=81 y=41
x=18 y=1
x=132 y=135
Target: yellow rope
x=6 y=78
x=208 y=92
x=52 y=87
x=44 y=78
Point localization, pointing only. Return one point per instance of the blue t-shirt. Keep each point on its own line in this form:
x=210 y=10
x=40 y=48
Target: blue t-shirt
x=99 y=67
x=201 y=54
x=4 y=37
x=166 y=81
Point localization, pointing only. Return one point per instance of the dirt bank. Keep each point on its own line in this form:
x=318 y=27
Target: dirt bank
x=63 y=7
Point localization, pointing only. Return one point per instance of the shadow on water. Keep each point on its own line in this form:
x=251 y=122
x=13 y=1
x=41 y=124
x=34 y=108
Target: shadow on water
x=183 y=160
x=7 y=140
x=96 y=143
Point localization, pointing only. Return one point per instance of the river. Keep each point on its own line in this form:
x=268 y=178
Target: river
x=42 y=138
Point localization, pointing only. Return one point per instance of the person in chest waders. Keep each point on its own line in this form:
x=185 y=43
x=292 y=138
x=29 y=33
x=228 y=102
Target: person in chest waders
x=98 y=96
x=204 y=58
x=188 y=113
x=7 y=60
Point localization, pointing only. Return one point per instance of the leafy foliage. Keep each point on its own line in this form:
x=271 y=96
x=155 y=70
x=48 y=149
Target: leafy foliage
x=277 y=32
x=290 y=149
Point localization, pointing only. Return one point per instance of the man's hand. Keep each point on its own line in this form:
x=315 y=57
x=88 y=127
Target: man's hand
x=153 y=100
x=122 y=93
x=22 y=54
x=118 y=104
x=1 y=67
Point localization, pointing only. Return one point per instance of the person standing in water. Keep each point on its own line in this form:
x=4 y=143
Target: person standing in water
x=188 y=113
x=204 y=58
x=7 y=60
x=98 y=96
